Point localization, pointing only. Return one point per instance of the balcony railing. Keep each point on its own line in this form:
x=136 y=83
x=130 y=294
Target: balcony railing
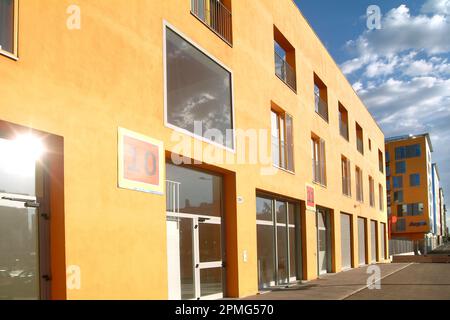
x=285 y=72
x=216 y=16
x=343 y=129
x=360 y=145
x=321 y=107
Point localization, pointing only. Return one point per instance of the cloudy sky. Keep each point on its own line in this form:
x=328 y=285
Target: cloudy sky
x=402 y=71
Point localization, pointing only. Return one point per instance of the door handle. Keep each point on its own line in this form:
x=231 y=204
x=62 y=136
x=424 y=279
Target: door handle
x=27 y=203
x=46 y=277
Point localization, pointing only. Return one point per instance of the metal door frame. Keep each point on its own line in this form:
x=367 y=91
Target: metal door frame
x=41 y=202
x=197 y=264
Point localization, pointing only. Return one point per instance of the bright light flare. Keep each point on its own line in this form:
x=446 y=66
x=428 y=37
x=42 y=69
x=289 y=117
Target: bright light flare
x=19 y=156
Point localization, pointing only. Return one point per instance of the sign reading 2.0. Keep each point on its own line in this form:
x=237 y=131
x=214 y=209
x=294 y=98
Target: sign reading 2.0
x=141 y=162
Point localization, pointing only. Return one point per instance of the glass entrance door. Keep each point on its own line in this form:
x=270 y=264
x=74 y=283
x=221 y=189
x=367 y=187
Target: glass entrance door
x=323 y=241
x=194 y=234
x=194 y=250
x=278 y=239
x=19 y=251
x=19 y=236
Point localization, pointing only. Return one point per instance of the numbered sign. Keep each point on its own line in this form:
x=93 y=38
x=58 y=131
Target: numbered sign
x=141 y=162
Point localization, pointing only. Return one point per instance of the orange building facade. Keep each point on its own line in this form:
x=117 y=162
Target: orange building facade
x=179 y=150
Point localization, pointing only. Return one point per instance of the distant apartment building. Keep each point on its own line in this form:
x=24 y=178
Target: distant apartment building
x=443 y=213
x=413 y=188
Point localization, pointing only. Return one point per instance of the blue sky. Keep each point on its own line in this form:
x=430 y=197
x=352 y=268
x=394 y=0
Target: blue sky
x=402 y=71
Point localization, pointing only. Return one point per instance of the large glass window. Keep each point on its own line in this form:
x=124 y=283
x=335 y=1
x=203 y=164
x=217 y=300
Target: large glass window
x=359 y=138
x=278 y=241
x=414 y=180
x=7 y=26
x=371 y=192
x=398 y=196
x=406 y=152
x=346 y=177
x=198 y=92
x=318 y=160
x=359 y=185
x=199 y=192
x=398 y=182
x=400 y=167
x=320 y=98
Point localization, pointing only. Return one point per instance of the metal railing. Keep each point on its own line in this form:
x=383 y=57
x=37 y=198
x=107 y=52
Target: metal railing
x=216 y=16
x=285 y=72
x=172 y=196
x=400 y=246
x=321 y=107
x=343 y=129
x=360 y=145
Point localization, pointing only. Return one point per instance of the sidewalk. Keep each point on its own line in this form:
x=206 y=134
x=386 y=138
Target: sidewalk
x=330 y=287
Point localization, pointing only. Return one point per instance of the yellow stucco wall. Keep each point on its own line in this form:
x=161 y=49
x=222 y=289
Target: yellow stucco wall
x=84 y=84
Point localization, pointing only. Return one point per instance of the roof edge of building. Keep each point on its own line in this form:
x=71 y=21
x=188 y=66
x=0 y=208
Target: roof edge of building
x=410 y=136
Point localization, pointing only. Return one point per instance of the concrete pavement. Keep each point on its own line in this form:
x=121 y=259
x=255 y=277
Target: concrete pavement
x=429 y=281
x=332 y=286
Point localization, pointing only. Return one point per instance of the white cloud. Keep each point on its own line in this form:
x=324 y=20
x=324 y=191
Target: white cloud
x=381 y=68
x=436 y=7
x=358 y=86
x=419 y=68
x=403 y=75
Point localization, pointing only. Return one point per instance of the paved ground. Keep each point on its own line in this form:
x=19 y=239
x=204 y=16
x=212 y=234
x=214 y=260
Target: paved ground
x=444 y=249
x=400 y=281
x=330 y=287
x=428 y=281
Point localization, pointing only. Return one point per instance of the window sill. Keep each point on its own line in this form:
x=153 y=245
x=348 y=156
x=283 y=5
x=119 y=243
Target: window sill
x=323 y=117
x=319 y=184
x=286 y=83
x=283 y=169
x=345 y=138
x=9 y=55
x=347 y=195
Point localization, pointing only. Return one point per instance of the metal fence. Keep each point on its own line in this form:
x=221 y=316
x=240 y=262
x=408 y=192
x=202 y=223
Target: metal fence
x=321 y=107
x=399 y=246
x=216 y=16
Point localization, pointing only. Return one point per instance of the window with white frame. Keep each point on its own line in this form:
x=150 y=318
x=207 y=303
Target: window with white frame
x=199 y=92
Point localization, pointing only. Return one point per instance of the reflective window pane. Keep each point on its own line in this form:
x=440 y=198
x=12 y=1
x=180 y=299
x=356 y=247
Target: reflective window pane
x=263 y=209
x=283 y=262
x=292 y=252
x=198 y=90
x=281 y=211
x=266 y=259
x=186 y=260
x=200 y=192
x=7 y=25
x=210 y=281
x=209 y=242
x=19 y=270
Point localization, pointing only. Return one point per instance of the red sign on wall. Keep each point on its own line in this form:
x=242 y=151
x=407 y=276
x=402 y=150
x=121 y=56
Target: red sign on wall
x=310 y=200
